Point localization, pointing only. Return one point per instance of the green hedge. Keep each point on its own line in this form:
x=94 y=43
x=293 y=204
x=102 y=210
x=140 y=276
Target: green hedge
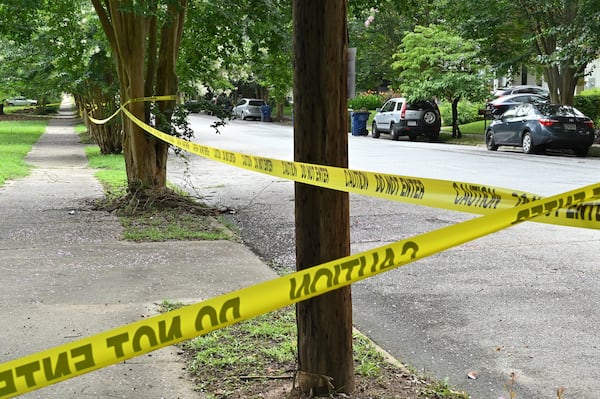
x=588 y=102
x=366 y=101
x=467 y=112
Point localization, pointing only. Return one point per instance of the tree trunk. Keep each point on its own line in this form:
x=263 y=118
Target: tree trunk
x=279 y=113
x=562 y=82
x=568 y=83
x=325 y=358
x=1 y=109
x=132 y=39
x=455 y=129
x=166 y=74
x=552 y=76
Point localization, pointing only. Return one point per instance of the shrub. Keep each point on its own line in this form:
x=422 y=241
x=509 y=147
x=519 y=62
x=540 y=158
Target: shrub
x=588 y=102
x=366 y=101
x=467 y=112
x=47 y=110
x=591 y=92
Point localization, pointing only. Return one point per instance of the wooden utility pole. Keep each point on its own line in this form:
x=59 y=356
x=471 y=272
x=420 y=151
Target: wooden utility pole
x=322 y=215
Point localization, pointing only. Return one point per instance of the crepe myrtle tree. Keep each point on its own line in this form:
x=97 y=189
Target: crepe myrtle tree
x=144 y=37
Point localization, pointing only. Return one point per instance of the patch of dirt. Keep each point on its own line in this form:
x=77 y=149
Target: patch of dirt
x=390 y=384
x=392 y=381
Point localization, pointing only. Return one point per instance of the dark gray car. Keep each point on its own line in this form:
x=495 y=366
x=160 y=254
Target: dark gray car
x=536 y=127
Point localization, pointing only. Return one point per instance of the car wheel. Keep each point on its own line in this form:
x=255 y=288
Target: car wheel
x=374 y=131
x=394 y=131
x=527 y=144
x=430 y=117
x=581 y=151
x=243 y=116
x=490 y=143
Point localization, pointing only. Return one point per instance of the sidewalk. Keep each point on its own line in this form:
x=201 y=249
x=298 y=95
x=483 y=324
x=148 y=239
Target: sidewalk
x=66 y=274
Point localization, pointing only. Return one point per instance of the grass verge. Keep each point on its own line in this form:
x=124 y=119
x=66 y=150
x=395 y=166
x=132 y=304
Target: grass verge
x=16 y=140
x=257 y=359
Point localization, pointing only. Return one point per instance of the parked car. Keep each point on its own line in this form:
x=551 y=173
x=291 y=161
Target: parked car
x=20 y=100
x=499 y=105
x=398 y=117
x=538 y=126
x=248 y=108
x=522 y=89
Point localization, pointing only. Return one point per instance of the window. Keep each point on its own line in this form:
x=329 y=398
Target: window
x=389 y=106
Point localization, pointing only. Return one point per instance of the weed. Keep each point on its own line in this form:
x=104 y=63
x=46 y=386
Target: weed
x=510 y=386
x=442 y=390
x=167 y=306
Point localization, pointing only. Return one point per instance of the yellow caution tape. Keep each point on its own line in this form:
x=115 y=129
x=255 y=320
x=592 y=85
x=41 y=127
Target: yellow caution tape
x=133 y=100
x=82 y=356
x=443 y=194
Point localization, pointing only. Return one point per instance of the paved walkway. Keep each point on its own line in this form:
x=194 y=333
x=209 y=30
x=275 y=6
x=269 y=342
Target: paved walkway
x=66 y=273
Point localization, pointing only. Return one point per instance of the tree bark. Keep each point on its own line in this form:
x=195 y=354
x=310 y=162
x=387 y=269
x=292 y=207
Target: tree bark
x=166 y=74
x=322 y=215
x=455 y=129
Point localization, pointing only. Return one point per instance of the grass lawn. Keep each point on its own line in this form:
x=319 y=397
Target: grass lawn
x=16 y=140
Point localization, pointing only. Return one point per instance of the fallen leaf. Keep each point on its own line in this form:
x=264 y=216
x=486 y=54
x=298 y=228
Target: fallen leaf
x=473 y=375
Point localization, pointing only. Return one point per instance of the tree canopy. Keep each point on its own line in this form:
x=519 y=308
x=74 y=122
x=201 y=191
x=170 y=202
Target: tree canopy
x=228 y=46
x=247 y=43
x=433 y=62
x=559 y=37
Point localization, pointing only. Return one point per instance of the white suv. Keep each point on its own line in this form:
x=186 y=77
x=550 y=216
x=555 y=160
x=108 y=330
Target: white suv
x=249 y=108
x=20 y=101
x=398 y=117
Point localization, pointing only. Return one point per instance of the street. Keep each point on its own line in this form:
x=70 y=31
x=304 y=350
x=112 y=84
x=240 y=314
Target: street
x=522 y=300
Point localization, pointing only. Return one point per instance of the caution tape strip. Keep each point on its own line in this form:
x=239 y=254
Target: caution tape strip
x=436 y=193
x=113 y=346
x=131 y=101
x=443 y=194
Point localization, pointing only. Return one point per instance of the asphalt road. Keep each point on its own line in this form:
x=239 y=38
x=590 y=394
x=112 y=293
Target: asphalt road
x=523 y=300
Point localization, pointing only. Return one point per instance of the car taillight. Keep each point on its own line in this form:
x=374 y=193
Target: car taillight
x=403 y=111
x=547 y=122
x=589 y=123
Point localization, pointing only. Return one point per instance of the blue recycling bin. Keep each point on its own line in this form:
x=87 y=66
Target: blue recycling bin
x=359 y=123
x=265 y=113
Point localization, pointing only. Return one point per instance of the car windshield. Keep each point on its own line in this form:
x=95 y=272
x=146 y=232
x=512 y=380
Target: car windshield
x=559 y=110
x=257 y=103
